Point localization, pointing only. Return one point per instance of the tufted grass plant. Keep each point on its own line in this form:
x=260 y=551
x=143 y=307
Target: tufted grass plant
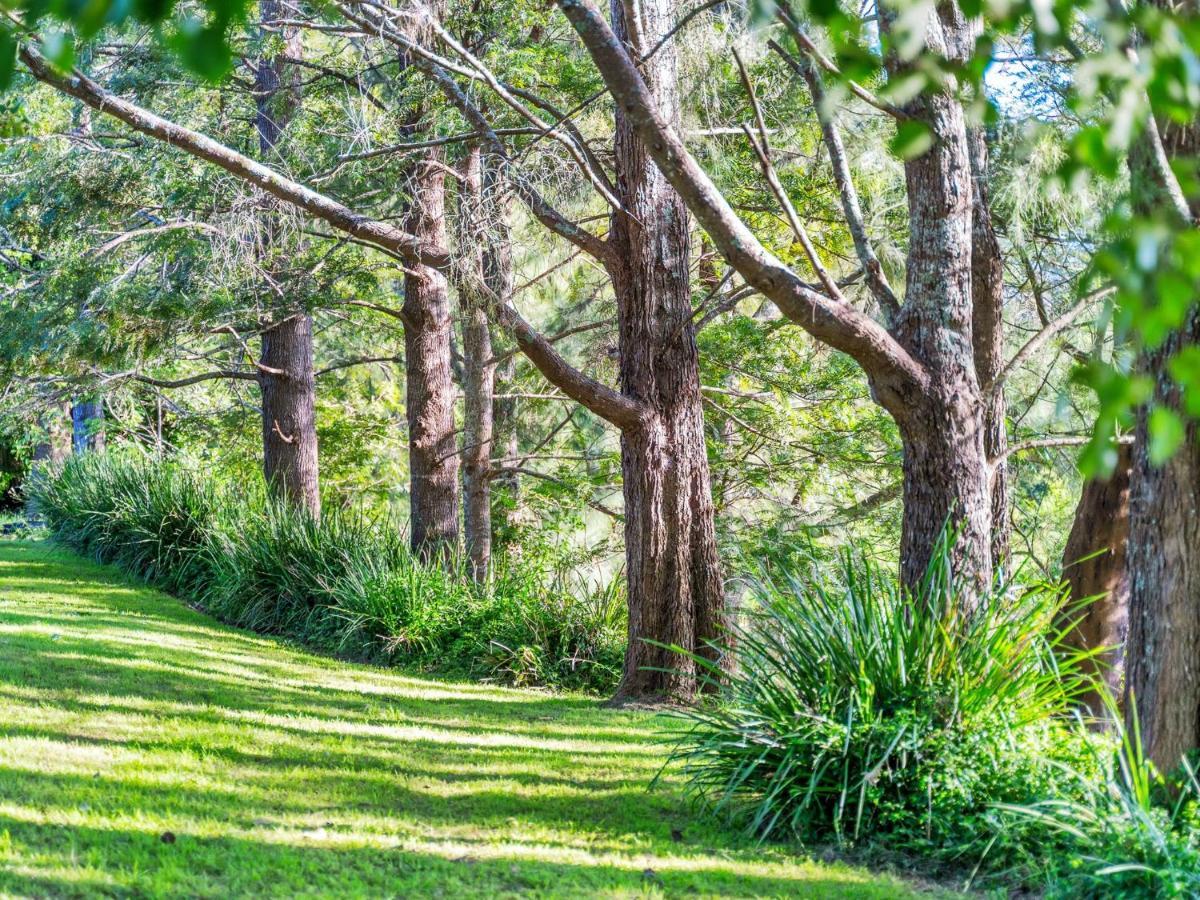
x=858 y=712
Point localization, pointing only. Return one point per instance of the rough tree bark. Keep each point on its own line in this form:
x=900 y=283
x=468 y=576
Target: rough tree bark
x=429 y=382
x=288 y=412
x=285 y=371
x=483 y=269
x=676 y=592
x=1094 y=565
x=1163 y=558
x=1163 y=650
x=987 y=325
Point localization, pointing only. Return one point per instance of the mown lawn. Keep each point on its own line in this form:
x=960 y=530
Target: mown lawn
x=146 y=750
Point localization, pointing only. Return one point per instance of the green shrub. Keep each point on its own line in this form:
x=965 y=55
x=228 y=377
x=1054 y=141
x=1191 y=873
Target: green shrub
x=340 y=583
x=857 y=711
x=274 y=568
x=525 y=627
x=1128 y=831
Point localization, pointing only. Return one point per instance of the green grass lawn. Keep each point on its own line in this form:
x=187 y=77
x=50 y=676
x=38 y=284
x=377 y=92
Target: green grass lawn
x=147 y=750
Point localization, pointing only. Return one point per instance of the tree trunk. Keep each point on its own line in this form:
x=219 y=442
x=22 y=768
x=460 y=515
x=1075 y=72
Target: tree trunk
x=1094 y=566
x=429 y=400
x=946 y=471
x=478 y=387
x=289 y=421
x=87 y=426
x=945 y=484
x=507 y=441
x=1163 y=653
x=486 y=269
x=55 y=444
x=676 y=592
x=286 y=375
x=1162 y=657
x=987 y=324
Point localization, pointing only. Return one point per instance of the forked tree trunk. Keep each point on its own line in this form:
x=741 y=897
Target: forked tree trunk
x=1094 y=566
x=946 y=470
x=676 y=592
x=286 y=375
x=87 y=426
x=288 y=413
x=429 y=393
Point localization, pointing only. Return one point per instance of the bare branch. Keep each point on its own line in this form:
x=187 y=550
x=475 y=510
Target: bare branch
x=1040 y=339
x=359 y=361
x=154 y=229
x=805 y=43
x=851 y=208
x=228 y=374
x=606 y=402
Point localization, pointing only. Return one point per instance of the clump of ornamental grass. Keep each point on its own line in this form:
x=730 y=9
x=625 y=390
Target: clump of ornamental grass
x=341 y=582
x=529 y=624
x=275 y=567
x=858 y=712
x=152 y=518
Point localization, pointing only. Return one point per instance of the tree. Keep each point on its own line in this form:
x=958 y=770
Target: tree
x=485 y=280
x=676 y=594
x=922 y=366
x=285 y=368
x=1163 y=684
x=1095 y=570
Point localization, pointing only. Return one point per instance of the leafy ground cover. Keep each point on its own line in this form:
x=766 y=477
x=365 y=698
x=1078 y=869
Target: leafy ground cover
x=147 y=750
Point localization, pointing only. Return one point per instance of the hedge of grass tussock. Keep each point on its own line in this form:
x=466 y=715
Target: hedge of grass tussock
x=342 y=583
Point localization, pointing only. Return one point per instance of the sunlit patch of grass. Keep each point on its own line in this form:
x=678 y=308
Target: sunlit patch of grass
x=146 y=750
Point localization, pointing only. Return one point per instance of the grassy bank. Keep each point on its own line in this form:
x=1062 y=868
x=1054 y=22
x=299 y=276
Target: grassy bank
x=147 y=750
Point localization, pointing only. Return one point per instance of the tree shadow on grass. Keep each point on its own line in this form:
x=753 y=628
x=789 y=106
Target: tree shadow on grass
x=157 y=717
x=270 y=863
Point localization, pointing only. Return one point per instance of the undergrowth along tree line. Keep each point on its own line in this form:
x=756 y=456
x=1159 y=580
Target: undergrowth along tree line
x=341 y=583
x=798 y=271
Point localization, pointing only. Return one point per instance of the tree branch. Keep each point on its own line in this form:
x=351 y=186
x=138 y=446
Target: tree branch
x=606 y=402
x=432 y=66
x=381 y=234
x=1040 y=339
x=183 y=382
x=359 y=361
x=872 y=269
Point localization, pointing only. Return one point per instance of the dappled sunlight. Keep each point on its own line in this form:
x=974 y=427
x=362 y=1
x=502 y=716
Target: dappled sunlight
x=125 y=716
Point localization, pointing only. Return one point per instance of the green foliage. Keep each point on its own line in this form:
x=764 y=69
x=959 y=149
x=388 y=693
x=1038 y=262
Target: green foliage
x=151 y=519
x=1129 y=832
x=342 y=583
x=858 y=712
